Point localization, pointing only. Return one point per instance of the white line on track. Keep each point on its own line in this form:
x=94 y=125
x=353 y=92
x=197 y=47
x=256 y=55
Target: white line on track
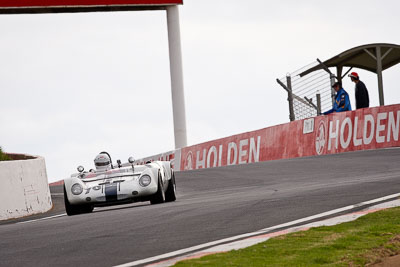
x=56 y=216
x=260 y=232
x=391 y=148
x=42 y=219
x=250 y=241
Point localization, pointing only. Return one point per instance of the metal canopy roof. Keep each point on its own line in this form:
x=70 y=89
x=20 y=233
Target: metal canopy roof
x=363 y=57
x=372 y=57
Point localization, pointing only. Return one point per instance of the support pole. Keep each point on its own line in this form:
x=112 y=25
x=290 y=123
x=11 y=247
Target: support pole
x=339 y=70
x=290 y=97
x=379 y=72
x=176 y=69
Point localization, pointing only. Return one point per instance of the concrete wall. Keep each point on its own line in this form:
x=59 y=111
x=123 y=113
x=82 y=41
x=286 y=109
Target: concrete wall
x=24 y=187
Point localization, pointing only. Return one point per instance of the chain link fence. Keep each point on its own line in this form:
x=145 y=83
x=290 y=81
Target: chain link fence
x=307 y=95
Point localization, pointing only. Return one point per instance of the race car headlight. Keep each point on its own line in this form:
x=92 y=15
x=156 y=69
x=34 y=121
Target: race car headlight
x=145 y=180
x=76 y=189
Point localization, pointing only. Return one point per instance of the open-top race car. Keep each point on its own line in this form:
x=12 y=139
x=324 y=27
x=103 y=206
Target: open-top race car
x=118 y=184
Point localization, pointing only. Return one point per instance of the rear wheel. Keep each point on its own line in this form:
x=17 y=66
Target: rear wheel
x=75 y=209
x=170 y=195
x=159 y=196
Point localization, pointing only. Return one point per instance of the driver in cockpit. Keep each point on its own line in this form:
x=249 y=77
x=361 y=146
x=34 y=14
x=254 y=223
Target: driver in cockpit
x=103 y=162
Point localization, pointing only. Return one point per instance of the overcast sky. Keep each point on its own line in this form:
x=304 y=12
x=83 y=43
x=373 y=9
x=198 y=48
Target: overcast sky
x=72 y=85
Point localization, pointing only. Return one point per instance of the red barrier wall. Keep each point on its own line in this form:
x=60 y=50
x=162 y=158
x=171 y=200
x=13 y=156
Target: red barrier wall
x=363 y=129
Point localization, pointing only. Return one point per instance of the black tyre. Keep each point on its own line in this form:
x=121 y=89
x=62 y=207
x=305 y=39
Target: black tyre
x=75 y=209
x=159 y=196
x=170 y=194
x=87 y=208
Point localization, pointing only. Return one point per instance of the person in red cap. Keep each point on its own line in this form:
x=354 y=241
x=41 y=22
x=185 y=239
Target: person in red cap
x=362 y=96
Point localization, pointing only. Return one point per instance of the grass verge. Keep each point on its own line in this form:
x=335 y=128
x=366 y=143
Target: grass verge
x=3 y=156
x=365 y=241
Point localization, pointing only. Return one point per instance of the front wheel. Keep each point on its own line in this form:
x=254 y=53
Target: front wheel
x=170 y=195
x=75 y=209
x=159 y=196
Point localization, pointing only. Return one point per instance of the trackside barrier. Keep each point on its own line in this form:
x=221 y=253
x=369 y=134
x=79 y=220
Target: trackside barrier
x=25 y=190
x=364 y=129
x=167 y=156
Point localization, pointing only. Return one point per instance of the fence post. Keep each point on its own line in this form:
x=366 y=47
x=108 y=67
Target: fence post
x=318 y=103
x=333 y=92
x=290 y=97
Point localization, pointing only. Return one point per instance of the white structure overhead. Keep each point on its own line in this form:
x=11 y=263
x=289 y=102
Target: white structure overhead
x=174 y=38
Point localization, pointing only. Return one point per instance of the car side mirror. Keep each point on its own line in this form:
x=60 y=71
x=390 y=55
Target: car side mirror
x=80 y=169
x=131 y=160
x=119 y=163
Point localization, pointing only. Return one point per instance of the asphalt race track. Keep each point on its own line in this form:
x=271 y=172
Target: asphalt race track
x=212 y=204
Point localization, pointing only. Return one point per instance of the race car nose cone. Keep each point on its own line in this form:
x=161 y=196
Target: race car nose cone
x=135 y=193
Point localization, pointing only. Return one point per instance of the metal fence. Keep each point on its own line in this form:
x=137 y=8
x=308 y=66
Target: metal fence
x=307 y=95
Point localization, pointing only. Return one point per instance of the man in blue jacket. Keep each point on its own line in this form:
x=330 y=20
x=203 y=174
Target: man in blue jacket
x=342 y=100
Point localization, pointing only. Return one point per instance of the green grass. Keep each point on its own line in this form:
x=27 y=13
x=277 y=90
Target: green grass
x=3 y=156
x=366 y=240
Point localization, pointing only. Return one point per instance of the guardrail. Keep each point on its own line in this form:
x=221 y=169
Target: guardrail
x=25 y=190
x=363 y=129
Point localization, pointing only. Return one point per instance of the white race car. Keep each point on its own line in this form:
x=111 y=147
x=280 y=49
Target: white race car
x=118 y=184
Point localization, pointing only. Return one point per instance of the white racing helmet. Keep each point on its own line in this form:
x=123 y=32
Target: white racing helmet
x=103 y=162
